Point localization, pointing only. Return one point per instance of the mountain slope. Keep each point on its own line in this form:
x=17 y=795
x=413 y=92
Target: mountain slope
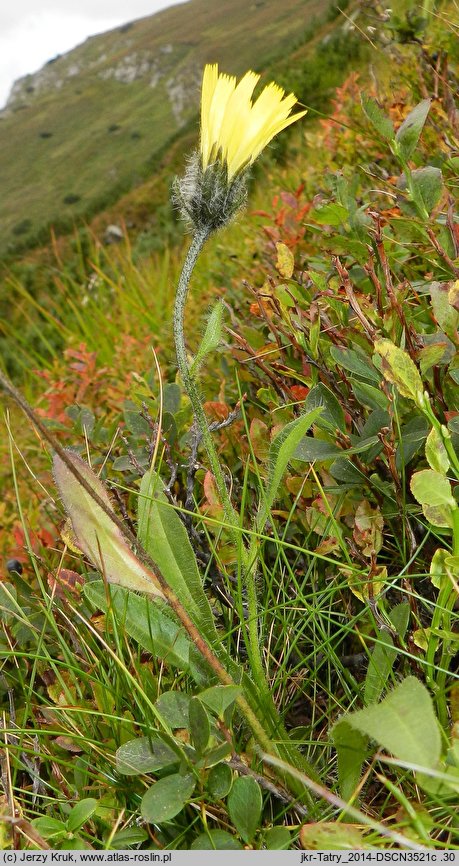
x=84 y=129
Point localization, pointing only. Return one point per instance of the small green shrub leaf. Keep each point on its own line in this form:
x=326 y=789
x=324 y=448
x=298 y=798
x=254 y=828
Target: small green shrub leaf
x=369 y=395
x=214 y=756
x=81 y=813
x=436 y=454
x=356 y=363
x=216 y=840
x=409 y=132
x=278 y=839
x=167 y=797
x=244 y=806
x=427 y=185
x=174 y=707
x=332 y=214
x=219 y=698
x=172 y=398
x=332 y=417
x=412 y=437
x=212 y=337
x=151 y=626
x=144 y=755
x=128 y=838
x=377 y=118
x=309 y=450
x=219 y=781
x=399 y=369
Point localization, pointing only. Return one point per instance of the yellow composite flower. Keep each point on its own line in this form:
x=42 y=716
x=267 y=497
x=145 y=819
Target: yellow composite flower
x=234 y=130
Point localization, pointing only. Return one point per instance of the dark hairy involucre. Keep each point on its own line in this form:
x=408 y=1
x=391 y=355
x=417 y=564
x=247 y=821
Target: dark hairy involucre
x=205 y=198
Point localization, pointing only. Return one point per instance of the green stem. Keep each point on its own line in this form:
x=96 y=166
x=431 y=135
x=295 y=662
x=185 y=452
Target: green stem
x=195 y=248
x=248 y=558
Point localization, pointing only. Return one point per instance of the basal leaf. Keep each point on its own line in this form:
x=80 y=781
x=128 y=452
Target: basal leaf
x=165 y=538
x=333 y=836
x=384 y=654
x=149 y=624
x=96 y=534
x=351 y=749
x=432 y=488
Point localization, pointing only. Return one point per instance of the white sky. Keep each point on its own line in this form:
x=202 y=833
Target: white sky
x=34 y=31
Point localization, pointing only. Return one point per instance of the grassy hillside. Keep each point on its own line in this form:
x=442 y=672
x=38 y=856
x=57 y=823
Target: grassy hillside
x=88 y=126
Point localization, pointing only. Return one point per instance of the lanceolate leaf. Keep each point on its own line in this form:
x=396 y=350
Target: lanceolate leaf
x=148 y=623
x=165 y=538
x=283 y=450
x=332 y=417
x=96 y=534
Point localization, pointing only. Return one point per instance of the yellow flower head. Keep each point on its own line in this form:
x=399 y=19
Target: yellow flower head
x=234 y=130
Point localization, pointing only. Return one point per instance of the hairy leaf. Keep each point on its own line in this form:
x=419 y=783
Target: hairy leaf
x=96 y=534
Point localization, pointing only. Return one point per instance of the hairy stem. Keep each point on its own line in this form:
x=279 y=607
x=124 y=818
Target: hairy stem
x=248 y=559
